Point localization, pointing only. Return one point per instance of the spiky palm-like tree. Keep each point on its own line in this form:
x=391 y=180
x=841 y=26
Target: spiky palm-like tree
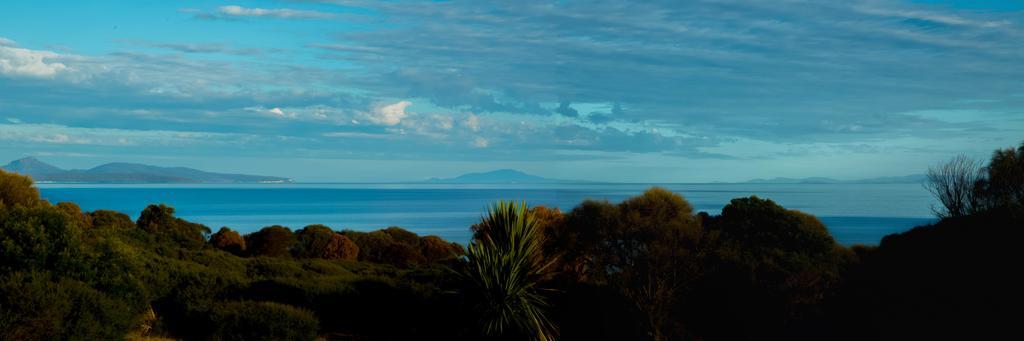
x=504 y=266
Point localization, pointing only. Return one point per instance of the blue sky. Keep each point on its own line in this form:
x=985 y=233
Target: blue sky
x=673 y=91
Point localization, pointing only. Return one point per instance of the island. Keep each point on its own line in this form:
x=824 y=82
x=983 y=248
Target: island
x=112 y=173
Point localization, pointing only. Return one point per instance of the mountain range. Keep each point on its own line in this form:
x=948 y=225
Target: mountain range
x=129 y=173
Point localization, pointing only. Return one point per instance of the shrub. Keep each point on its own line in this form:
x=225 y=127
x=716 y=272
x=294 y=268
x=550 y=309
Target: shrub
x=435 y=249
x=111 y=219
x=159 y=220
x=340 y=247
x=272 y=241
x=381 y=247
x=39 y=238
x=401 y=255
x=770 y=270
x=75 y=213
x=401 y=235
x=17 y=190
x=763 y=224
x=318 y=241
x=228 y=240
x=34 y=307
x=250 y=320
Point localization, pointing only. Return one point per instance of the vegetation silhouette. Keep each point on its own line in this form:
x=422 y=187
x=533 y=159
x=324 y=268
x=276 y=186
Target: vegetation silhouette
x=648 y=268
x=505 y=265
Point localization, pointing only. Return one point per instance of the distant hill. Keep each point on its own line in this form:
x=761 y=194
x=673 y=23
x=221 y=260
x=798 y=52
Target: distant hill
x=501 y=176
x=906 y=179
x=129 y=173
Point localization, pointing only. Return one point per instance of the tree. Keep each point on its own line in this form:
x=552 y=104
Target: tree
x=650 y=252
x=228 y=240
x=644 y=249
x=580 y=238
x=319 y=241
x=16 y=189
x=761 y=223
x=75 y=212
x=272 y=241
x=504 y=267
x=160 y=221
x=955 y=183
x=111 y=219
x=770 y=269
x=1004 y=185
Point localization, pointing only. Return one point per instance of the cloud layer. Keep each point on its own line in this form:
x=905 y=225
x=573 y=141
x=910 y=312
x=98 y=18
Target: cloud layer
x=594 y=84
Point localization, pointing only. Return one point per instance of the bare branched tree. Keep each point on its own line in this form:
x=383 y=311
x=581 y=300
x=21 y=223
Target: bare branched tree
x=954 y=183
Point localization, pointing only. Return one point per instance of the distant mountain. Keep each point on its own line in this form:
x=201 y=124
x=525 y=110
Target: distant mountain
x=906 y=179
x=501 y=176
x=130 y=173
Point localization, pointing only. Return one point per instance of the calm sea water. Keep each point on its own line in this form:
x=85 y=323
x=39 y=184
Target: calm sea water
x=853 y=213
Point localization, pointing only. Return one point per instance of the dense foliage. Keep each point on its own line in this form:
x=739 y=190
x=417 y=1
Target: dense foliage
x=505 y=265
x=648 y=268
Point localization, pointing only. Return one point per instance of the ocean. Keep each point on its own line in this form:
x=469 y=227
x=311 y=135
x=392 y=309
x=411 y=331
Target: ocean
x=853 y=213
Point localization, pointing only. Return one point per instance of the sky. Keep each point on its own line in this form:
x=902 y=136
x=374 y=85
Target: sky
x=651 y=91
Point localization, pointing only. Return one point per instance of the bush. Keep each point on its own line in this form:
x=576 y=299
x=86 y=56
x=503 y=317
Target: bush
x=111 y=219
x=435 y=249
x=271 y=241
x=17 y=190
x=228 y=240
x=34 y=307
x=401 y=255
x=381 y=247
x=160 y=221
x=250 y=320
x=318 y=241
x=770 y=270
x=763 y=224
x=75 y=213
x=403 y=236
x=342 y=248
x=39 y=238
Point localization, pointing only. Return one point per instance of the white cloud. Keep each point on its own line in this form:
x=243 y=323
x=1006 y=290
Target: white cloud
x=481 y=142
x=60 y=134
x=15 y=61
x=390 y=114
x=7 y=42
x=443 y=122
x=275 y=111
x=282 y=13
x=356 y=134
x=472 y=122
x=55 y=138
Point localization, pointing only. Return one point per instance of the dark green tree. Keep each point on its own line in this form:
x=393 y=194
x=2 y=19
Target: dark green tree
x=272 y=241
x=16 y=189
x=160 y=221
